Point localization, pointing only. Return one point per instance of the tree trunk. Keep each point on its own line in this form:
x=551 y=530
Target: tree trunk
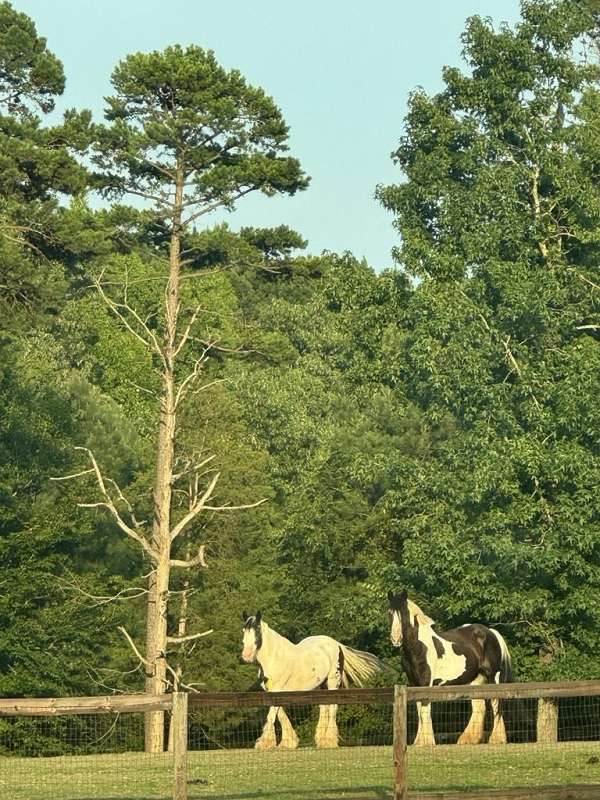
x=158 y=583
x=547 y=721
x=181 y=631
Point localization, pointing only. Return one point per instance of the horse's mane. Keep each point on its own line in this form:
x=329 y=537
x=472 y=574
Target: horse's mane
x=418 y=614
x=271 y=636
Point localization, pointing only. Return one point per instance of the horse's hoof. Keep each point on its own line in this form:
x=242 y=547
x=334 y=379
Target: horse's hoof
x=264 y=744
x=469 y=740
x=289 y=744
x=326 y=744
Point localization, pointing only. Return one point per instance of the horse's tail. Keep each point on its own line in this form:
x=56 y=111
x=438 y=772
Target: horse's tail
x=506 y=674
x=358 y=666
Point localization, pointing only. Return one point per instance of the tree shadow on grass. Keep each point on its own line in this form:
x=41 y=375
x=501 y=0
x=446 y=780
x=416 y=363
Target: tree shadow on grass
x=195 y=793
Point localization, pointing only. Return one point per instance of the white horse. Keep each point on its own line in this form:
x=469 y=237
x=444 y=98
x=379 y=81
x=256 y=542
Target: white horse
x=315 y=662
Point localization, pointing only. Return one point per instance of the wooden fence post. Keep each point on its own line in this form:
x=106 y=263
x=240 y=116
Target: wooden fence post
x=547 y=721
x=400 y=759
x=179 y=721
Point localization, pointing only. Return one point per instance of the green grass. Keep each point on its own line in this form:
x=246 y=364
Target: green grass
x=307 y=773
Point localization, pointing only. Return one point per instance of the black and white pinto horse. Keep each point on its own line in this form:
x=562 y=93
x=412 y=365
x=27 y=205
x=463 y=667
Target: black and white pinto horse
x=315 y=662
x=471 y=654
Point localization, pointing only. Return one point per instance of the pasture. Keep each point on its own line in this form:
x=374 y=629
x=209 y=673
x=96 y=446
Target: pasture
x=304 y=774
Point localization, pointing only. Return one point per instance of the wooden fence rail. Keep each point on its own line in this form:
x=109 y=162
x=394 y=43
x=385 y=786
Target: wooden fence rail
x=433 y=694
x=506 y=691
x=67 y=706
x=113 y=704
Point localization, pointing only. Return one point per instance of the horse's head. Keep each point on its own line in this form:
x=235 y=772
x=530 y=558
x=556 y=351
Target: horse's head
x=396 y=602
x=400 y=609
x=251 y=636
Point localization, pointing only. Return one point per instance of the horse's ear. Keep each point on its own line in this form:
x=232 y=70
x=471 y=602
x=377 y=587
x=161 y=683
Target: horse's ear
x=244 y=616
x=403 y=595
x=258 y=617
x=390 y=596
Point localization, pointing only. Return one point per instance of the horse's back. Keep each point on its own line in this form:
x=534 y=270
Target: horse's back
x=483 y=642
x=470 y=629
x=323 y=649
x=314 y=658
x=323 y=643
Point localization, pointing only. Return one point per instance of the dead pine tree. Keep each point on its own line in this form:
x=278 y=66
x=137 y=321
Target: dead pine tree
x=186 y=137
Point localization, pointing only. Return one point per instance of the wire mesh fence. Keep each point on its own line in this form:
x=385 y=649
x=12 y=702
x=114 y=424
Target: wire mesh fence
x=504 y=739
x=49 y=752
x=230 y=755
x=370 y=744
x=79 y=758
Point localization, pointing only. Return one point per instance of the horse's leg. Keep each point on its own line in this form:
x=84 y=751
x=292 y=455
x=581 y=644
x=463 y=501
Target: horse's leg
x=473 y=733
x=322 y=725
x=267 y=740
x=425 y=736
x=289 y=737
x=326 y=734
x=498 y=735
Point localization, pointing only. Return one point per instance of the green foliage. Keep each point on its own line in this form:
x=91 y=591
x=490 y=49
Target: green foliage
x=37 y=165
x=439 y=435
x=49 y=639
x=28 y=71
x=180 y=110
x=500 y=218
x=276 y=244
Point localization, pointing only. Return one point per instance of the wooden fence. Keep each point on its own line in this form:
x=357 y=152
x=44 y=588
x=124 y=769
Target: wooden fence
x=547 y=733
x=400 y=696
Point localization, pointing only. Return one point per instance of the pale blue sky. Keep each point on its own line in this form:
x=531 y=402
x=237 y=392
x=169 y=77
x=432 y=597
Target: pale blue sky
x=340 y=70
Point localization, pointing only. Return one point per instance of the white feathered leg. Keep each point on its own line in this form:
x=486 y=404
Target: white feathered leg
x=289 y=737
x=425 y=736
x=267 y=740
x=498 y=734
x=327 y=731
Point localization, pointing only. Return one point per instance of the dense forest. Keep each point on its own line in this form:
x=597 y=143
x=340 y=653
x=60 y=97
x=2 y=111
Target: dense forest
x=337 y=430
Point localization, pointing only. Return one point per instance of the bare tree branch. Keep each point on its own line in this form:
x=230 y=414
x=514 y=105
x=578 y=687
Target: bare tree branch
x=197 y=561
x=236 y=508
x=186 y=334
x=74 y=475
x=190 y=378
x=205 y=386
x=189 y=638
x=191 y=686
x=147 y=196
x=196 y=508
x=221 y=348
x=194 y=468
x=100 y=600
x=108 y=503
x=141 y=388
x=144 y=661
x=584 y=278
x=149 y=339
x=147 y=663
